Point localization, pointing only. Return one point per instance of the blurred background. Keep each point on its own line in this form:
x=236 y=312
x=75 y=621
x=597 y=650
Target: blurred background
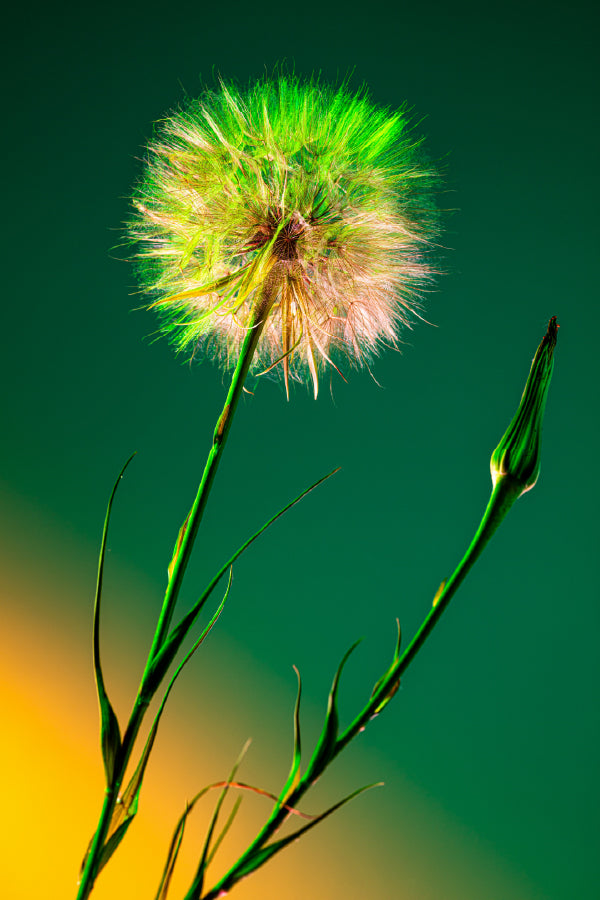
x=489 y=752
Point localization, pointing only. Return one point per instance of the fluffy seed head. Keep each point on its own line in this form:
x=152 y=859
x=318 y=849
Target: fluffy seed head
x=312 y=190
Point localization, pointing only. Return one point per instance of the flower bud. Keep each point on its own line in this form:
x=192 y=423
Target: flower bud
x=517 y=456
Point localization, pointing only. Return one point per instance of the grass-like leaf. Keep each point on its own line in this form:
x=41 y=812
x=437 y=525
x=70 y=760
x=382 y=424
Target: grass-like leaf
x=264 y=854
x=198 y=882
x=174 y=847
x=294 y=776
x=219 y=839
x=168 y=651
x=379 y=683
x=114 y=839
x=324 y=751
x=180 y=827
x=127 y=808
x=110 y=733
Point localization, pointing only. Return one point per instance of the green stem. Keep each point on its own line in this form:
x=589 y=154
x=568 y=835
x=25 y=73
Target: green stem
x=504 y=494
x=91 y=867
x=221 y=432
x=190 y=530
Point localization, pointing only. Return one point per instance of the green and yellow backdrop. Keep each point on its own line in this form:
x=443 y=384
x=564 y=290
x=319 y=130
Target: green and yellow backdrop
x=489 y=752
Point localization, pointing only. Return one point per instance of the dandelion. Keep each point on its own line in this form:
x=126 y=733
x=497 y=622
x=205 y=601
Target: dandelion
x=293 y=208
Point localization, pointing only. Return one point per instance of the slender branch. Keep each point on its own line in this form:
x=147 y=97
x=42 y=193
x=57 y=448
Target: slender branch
x=187 y=537
x=221 y=432
x=503 y=496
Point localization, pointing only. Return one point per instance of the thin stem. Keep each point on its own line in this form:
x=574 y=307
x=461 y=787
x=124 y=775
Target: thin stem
x=504 y=494
x=187 y=537
x=90 y=869
x=221 y=432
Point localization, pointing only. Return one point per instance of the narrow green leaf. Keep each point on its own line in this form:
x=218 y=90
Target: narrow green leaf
x=129 y=801
x=325 y=748
x=393 y=688
x=197 y=884
x=113 y=842
x=179 y=829
x=219 y=840
x=110 y=733
x=124 y=815
x=110 y=736
x=171 y=645
x=126 y=809
x=160 y=666
x=264 y=854
x=165 y=881
x=294 y=776
x=174 y=848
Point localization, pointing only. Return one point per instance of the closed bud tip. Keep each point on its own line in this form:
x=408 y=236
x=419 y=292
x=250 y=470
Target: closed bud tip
x=517 y=456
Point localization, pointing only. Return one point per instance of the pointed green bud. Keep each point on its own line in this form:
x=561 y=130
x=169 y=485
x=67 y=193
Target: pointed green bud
x=517 y=456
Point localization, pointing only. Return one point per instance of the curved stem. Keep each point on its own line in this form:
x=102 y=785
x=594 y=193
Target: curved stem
x=187 y=537
x=504 y=494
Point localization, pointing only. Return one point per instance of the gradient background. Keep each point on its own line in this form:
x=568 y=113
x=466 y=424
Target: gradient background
x=489 y=751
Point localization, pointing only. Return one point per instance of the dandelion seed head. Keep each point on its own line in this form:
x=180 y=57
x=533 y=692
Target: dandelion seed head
x=313 y=190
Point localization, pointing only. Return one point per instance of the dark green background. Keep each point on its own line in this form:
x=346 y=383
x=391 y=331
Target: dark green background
x=498 y=718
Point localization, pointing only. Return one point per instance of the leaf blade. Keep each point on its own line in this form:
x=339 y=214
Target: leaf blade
x=326 y=745
x=110 y=733
x=294 y=774
x=175 y=846
x=264 y=854
x=197 y=884
x=129 y=800
x=172 y=643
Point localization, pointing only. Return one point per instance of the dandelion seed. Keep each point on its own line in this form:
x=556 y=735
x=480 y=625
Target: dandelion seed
x=308 y=195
